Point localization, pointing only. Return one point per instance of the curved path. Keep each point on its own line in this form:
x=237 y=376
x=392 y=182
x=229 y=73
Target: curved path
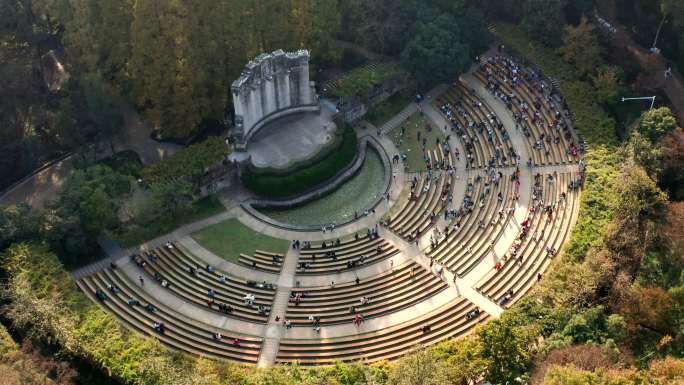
x=41 y=187
x=273 y=332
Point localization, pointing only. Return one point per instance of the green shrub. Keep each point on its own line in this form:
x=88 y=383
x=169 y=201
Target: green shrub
x=189 y=162
x=596 y=201
x=279 y=186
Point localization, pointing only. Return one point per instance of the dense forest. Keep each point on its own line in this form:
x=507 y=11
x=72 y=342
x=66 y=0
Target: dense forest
x=174 y=61
x=610 y=310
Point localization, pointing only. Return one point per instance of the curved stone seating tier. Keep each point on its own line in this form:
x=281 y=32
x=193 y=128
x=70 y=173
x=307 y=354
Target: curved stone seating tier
x=463 y=109
x=181 y=333
x=172 y=265
x=263 y=260
x=520 y=277
x=372 y=249
x=481 y=112
x=461 y=250
x=496 y=283
x=390 y=343
x=493 y=72
x=416 y=216
x=388 y=292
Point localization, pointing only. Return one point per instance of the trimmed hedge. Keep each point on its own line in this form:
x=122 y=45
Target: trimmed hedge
x=188 y=162
x=283 y=186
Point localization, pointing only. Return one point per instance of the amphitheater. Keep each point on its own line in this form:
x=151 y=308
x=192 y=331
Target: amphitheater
x=446 y=249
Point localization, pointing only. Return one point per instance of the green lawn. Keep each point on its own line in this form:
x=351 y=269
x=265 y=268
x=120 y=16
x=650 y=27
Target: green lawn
x=386 y=110
x=408 y=143
x=135 y=235
x=230 y=238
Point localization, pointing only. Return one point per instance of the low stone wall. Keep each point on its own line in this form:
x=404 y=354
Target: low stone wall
x=325 y=189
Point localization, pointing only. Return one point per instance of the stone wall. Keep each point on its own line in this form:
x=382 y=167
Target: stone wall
x=271 y=86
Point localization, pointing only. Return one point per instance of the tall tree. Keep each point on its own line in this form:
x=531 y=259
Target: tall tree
x=657 y=122
x=581 y=47
x=544 y=20
x=505 y=346
x=437 y=52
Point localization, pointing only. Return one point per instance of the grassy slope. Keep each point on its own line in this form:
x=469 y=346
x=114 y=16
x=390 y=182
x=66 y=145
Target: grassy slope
x=230 y=238
x=409 y=144
x=384 y=111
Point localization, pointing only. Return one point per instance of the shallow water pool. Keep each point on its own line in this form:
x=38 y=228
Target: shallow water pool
x=358 y=194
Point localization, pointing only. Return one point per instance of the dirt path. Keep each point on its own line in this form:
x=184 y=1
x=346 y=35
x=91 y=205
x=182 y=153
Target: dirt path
x=654 y=67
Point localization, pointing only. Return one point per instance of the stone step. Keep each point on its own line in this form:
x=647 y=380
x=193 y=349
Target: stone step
x=269 y=351
x=280 y=301
x=399 y=118
x=331 y=85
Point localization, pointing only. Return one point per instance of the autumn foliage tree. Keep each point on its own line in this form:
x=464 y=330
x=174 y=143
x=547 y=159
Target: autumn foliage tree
x=581 y=47
x=672 y=149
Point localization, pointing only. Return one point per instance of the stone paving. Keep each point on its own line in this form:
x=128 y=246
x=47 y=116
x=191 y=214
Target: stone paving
x=287 y=279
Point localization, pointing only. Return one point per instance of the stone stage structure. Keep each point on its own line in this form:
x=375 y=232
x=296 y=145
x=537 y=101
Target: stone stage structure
x=270 y=87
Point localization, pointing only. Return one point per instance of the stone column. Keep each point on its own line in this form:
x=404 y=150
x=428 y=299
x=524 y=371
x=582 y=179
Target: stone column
x=305 y=94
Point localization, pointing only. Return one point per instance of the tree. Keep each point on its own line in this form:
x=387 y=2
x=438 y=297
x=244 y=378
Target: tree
x=576 y=9
x=648 y=312
x=87 y=205
x=544 y=20
x=638 y=196
x=97 y=38
x=93 y=195
x=462 y=360
x=437 y=52
x=103 y=110
x=666 y=371
x=166 y=74
x=509 y=10
x=672 y=149
x=505 y=346
x=18 y=223
x=585 y=357
x=419 y=368
x=646 y=154
x=655 y=123
x=383 y=27
x=474 y=28
x=607 y=84
x=581 y=47
x=169 y=199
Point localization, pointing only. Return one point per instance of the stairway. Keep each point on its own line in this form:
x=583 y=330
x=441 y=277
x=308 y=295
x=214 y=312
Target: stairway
x=399 y=118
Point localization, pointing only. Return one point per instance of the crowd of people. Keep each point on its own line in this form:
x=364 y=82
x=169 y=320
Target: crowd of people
x=506 y=80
